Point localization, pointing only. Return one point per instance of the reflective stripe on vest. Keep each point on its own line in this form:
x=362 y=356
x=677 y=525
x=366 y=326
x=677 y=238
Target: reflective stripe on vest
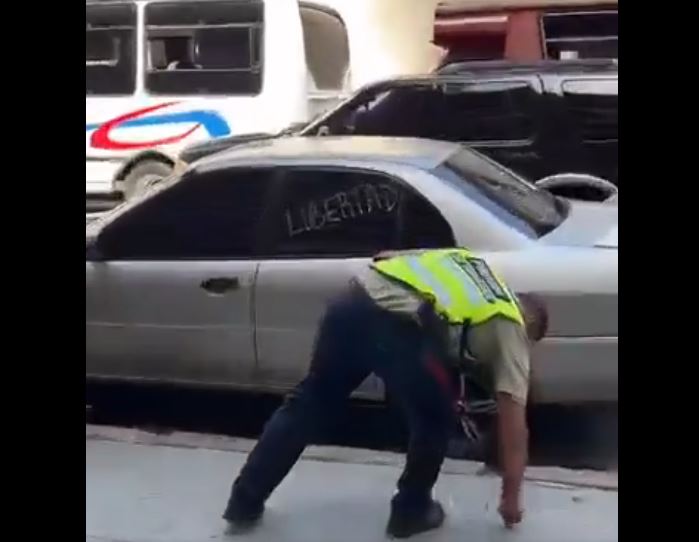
x=441 y=294
x=462 y=286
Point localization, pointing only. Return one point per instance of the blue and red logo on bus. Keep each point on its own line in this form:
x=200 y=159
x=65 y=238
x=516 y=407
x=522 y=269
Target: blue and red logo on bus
x=211 y=121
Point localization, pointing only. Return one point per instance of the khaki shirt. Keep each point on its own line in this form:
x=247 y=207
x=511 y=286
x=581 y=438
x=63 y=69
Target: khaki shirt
x=499 y=343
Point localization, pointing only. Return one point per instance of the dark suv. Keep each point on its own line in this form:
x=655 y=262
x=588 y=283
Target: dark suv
x=539 y=120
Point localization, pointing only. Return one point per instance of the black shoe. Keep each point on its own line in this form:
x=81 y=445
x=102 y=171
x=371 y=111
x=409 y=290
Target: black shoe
x=403 y=525
x=242 y=516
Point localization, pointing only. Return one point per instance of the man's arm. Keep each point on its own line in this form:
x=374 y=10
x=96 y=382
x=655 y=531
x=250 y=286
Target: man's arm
x=513 y=442
x=504 y=345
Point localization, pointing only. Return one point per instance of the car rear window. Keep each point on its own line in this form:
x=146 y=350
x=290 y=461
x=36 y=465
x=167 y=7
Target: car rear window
x=531 y=210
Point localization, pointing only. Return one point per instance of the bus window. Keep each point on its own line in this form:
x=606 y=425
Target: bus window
x=327 y=48
x=204 y=47
x=110 y=49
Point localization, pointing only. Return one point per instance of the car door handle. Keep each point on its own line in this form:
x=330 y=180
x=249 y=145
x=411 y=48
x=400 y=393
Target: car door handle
x=220 y=285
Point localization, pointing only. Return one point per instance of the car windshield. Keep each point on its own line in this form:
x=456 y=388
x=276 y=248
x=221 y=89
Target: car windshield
x=532 y=210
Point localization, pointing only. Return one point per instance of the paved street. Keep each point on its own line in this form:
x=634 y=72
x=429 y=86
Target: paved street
x=143 y=487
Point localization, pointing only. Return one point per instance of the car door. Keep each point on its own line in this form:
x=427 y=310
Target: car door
x=326 y=226
x=171 y=299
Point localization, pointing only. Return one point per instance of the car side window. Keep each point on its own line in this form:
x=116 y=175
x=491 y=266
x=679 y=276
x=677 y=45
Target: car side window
x=203 y=216
x=328 y=212
x=422 y=225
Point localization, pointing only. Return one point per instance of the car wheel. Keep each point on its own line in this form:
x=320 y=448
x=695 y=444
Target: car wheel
x=143 y=176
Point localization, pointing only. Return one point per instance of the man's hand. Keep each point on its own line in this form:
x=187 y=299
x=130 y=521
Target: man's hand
x=512 y=436
x=510 y=510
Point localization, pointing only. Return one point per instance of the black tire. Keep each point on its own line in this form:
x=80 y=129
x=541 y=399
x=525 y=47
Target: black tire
x=143 y=175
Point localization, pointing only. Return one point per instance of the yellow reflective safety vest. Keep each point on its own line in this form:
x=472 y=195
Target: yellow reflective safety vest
x=462 y=287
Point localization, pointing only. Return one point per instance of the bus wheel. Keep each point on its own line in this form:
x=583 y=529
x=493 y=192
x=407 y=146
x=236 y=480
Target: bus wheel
x=143 y=176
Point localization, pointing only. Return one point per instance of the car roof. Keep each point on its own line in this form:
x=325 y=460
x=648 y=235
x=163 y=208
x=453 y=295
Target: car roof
x=507 y=67
x=499 y=70
x=419 y=153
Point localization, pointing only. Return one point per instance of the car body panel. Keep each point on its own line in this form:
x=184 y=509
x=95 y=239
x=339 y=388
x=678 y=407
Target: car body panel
x=291 y=296
x=146 y=320
x=578 y=361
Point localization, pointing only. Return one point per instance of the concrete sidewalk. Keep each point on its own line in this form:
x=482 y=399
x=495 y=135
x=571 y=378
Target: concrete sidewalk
x=148 y=488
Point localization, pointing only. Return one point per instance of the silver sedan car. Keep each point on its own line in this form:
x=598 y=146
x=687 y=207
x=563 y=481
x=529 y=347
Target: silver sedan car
x=219 y=276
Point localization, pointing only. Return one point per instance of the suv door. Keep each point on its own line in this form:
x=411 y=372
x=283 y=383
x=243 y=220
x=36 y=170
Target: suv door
x=592 y=110
x=173 y=300
x=327 y=225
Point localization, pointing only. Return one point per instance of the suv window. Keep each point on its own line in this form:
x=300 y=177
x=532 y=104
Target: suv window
x=204 y=47
x=208 y=216
x=468 y=112
x=110 y=49
x=594 y=106
x=330 y=212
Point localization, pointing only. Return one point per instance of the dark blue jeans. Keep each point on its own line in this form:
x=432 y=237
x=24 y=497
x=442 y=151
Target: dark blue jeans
x=357 y=338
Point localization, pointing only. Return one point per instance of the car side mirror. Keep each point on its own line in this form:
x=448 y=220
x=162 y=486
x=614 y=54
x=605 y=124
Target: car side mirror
x=578 y=186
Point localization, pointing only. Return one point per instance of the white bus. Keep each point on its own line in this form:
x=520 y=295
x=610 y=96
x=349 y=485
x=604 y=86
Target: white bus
x=162 y=74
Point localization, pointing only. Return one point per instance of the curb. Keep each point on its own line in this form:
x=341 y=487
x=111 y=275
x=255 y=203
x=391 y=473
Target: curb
x=555 y=477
